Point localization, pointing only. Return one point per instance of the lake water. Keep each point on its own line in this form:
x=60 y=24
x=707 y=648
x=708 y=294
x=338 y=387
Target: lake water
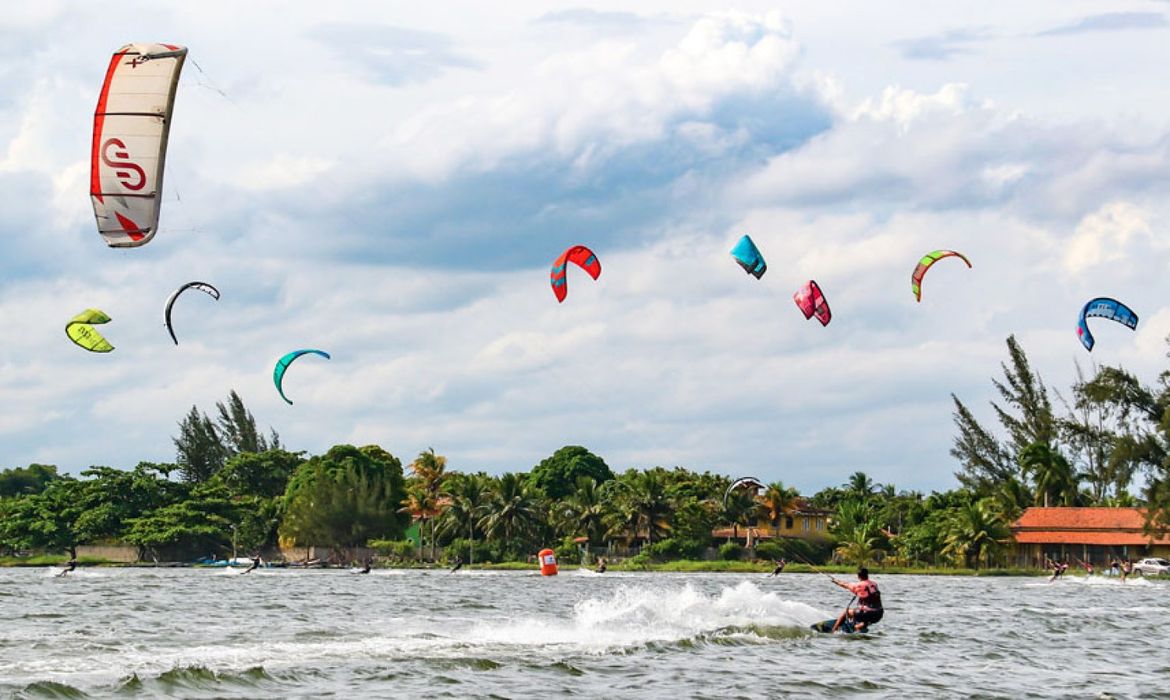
x=276 y=633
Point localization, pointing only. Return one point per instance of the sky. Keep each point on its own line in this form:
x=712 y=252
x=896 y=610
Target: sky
x=390 y=183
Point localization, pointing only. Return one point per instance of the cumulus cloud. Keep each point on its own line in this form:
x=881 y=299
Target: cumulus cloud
x=941 y=47
x=399 y=206
x=1109 y=22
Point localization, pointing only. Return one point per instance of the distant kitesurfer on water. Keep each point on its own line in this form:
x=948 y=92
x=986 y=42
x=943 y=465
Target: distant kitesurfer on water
x=1058 y=569
x=458 y=564
x=366 y=565
x=255 y=565
x=1088 y=566
x=69 y=565
x=869 y=602
x=601 y=565
x=780 y=564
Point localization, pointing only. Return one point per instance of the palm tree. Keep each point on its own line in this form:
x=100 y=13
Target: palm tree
x=514 y=510
x=650 y=503
x=1055 y=478
x=779 y=500
x=469 y=495
x=860 y=544
x=422 y=506
x=585 y=509
x=430 y=470
x=860 y=486
x=975 y=530
x=740 y=508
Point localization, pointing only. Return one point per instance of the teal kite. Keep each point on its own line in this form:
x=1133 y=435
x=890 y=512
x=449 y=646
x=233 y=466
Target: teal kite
x=282 y=365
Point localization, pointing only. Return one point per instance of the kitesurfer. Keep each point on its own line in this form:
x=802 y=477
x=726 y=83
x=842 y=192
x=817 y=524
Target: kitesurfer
x=69 y=565
x=1058 y=569
x=255 y=565
x=1088 y=566
x=1126 y=569
x=458 y=564
x=869 y=602
x=780 y=564
x=601 y=565
x=366 y=565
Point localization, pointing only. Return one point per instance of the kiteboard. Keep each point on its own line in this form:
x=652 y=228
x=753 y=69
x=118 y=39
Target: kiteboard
x=826 y=626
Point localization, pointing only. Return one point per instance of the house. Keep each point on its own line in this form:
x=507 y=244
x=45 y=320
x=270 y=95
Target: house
x=1094 y=535
x=804 y=522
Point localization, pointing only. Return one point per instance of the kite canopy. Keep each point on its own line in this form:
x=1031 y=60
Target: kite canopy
x=924 y=265
x=201 y=286
x=130 y=129
x=739 y=483
x=749 y=258
x=282 y=365
x=81 y=331
x=811 y=301
x=1103 y=307
x=580 y=256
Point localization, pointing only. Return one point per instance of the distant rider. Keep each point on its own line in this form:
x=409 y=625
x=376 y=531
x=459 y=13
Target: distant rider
x=366 y=565
x=601 y=565
x=780 y=564
x=869 y=602
x=458 y=564
x=69 y=566
x=255 y=565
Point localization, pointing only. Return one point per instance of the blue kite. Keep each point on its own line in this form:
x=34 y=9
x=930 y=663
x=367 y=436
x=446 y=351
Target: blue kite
x=1103 y=307
x=748 y=256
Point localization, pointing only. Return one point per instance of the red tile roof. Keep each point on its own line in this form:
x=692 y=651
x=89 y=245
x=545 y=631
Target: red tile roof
x=1103 y=526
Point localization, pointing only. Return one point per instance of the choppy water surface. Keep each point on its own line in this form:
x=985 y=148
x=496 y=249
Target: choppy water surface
x=287 y=633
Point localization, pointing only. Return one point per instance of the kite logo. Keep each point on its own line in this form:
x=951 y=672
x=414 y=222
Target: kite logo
x=129 y=173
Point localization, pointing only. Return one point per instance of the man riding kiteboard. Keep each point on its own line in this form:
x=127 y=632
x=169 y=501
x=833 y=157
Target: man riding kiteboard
x=869 y=603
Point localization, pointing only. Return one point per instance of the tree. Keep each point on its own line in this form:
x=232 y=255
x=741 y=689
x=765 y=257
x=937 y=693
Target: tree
x=556 y=476
x=201 y=452
x=31 y=479
x=514 y=513
x=1025 y=414
x=199 y=523
x=584 y=510
x=779 y=500
x=974 y=532
x=649 y=502
x=264 y=474
x=345 y=498
x=237 y=428
x=1056 y=482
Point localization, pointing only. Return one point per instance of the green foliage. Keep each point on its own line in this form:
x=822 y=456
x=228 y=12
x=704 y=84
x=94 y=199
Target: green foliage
x=201 y=522
x=237 y=428
x=771 y=550
x=259 y=473
x=27 y=480
x=557 y=475
x=395 y=550
x=671 y=548
x=345 y=498
x=568 y=552
x=730 y=551
x=201 y=452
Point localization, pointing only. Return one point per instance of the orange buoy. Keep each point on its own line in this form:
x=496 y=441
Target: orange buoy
x=548 y=562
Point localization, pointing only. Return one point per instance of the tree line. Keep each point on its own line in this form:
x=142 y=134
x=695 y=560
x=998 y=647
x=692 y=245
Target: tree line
x=232 y=488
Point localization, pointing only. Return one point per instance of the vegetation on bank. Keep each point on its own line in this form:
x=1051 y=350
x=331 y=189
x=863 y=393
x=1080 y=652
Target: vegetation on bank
x=233 y=489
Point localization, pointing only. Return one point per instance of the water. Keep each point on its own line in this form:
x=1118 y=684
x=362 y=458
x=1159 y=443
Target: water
x=203 y=633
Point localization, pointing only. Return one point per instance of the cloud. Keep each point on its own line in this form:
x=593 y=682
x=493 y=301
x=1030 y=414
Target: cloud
x=392 y=55
x=600 y=21
x=941 y=47
x=1109 y=22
